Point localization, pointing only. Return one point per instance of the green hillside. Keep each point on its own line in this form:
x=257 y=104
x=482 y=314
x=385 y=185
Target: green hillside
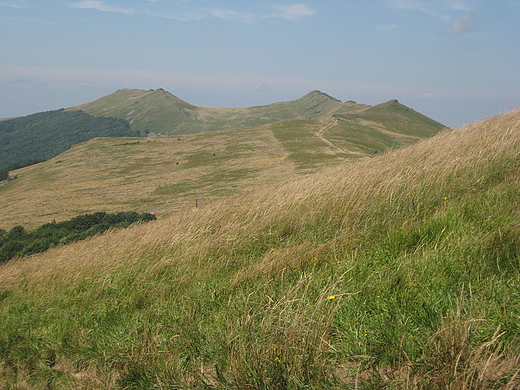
x=169 y=174
x=159 y=111
x=129 y=112
x=146 y=111
x=400 y=271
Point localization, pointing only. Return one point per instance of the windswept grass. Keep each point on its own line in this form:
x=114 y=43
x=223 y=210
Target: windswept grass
x=398 y=272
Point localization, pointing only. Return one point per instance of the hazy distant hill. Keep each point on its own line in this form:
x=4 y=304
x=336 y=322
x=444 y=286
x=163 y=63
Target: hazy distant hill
x=159 y=111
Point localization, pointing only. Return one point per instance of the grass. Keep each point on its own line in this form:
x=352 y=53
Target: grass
x=162 y=174
x=397 y=272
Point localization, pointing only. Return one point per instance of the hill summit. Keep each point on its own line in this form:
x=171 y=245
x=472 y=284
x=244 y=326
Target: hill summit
x=113 y=174
x=159 y=112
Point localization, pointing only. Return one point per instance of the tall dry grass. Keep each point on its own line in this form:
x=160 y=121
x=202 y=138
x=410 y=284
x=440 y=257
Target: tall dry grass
x=279 y=287
x=421 y=174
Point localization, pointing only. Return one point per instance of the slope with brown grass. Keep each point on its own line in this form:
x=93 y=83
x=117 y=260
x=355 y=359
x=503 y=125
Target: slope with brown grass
x=168 y=174
x=400 y=271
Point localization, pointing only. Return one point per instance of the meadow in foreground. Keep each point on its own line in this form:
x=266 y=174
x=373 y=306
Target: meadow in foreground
x=396 y=272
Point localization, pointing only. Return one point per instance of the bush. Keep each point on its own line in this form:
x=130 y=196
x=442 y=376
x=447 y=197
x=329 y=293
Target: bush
x=19 y=242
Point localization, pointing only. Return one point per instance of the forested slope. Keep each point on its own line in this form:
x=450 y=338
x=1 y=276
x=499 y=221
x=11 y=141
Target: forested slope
x=47 y=134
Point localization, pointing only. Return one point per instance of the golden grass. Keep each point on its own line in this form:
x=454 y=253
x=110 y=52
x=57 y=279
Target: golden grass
x=164 y=175
x=434 y=165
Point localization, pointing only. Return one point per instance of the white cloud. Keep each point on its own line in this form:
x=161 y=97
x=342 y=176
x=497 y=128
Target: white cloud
x=232 y=15
x=459 y=6
x=261 y=87
x=100 y=6
x=289 y=12
x=444 y=10
x=293 y=12
x=435 y=8
x=184 y=17
x=15 y=4
x=462 y=25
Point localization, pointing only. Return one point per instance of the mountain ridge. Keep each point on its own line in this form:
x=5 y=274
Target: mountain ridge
x=160 y=112
x=113 y=174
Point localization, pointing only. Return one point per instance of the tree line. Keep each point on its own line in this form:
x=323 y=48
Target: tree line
x=18 y=242
x=4 y=172
x=44 y=135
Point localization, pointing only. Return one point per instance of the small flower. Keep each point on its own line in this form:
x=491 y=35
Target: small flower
x=331 y=297
x=277 y=360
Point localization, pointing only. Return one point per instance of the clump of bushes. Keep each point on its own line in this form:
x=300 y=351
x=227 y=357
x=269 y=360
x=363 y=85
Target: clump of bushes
x=4 y=172
x=19 y=242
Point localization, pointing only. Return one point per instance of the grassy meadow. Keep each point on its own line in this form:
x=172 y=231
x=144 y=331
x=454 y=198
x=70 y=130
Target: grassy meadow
x=165 y=175
x=395 y=272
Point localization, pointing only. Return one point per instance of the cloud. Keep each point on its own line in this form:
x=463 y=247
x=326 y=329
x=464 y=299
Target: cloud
x=184 y=17
x=261 y=87
x=459 y=6
x=293 y=12
x=100 y=6
x=436 y=8
x=232 y=15
x=444 y=10
x=15 y=4
x=289 y=12
x=462 y=25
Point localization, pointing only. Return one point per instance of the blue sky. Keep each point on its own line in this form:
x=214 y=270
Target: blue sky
x=455 y=61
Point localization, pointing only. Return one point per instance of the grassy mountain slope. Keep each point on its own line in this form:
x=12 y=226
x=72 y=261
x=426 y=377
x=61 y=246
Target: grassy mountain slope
x=158 y=111
x=166 y=174
x=400 y=271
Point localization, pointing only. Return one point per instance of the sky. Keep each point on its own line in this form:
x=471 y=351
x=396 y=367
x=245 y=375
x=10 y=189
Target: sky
x=454 y=61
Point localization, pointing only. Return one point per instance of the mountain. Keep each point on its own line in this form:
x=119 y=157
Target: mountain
x=167 y=174
x=158 y=111
x=44 y=135
x=399 y=271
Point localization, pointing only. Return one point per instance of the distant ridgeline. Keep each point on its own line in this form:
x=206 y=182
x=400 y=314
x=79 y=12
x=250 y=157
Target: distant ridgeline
x=18 y=242
x=38 y=137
